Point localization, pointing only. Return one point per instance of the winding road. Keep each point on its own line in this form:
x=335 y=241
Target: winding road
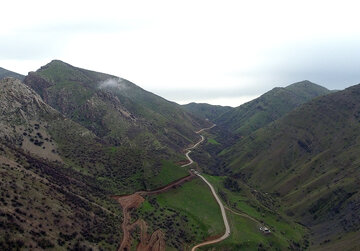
x=129 y=202
x=223 y=213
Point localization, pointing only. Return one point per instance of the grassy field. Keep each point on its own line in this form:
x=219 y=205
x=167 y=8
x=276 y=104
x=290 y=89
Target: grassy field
x=188 y=214
x=169 y=172
x=245 y=232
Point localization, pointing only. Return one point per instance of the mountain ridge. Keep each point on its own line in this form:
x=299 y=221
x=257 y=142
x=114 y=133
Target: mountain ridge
x=268 y=107
x=4 y=73
x=118 y=108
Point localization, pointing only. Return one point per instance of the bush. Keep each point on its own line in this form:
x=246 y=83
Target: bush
x=231 y=184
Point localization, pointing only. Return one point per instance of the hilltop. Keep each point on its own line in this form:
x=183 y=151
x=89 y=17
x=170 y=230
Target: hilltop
x=113 y=108
x=269 y=107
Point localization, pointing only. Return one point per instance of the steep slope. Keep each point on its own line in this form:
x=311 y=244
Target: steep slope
x=310 y=160
x=206 y=111
x=45 y=202
x=115 y=109
x=269 y=107
x=6 y=73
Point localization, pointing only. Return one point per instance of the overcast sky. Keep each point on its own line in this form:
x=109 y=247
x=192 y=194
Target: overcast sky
x=219 y=52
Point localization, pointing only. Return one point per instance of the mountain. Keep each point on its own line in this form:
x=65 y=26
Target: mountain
x=49 y=199
x=206 y=111
x=309 y=159
x=6 y=73
x=269 y=107
x=115 y=109
x=57 y=178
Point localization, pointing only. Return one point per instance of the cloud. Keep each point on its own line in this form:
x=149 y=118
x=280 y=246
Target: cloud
x=116 y=83
x=221 y=49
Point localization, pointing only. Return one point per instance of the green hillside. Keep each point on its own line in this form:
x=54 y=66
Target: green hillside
x=269 y=107
x=115 y=109
x=309 y=159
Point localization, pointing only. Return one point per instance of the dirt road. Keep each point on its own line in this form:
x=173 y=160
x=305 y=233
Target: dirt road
x=156 y=241
x=223 y=213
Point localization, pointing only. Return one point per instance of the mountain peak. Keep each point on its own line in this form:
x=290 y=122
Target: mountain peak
x=270 y=106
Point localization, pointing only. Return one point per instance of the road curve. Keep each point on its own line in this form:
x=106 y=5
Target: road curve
x=189 y=151
x=223 y=213
x=194 y=146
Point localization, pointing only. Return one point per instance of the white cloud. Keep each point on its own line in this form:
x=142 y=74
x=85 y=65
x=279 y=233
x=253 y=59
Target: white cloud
x=117 y=83
x=237 y=45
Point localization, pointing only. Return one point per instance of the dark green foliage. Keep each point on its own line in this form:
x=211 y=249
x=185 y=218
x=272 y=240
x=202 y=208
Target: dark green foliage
x=231 y=184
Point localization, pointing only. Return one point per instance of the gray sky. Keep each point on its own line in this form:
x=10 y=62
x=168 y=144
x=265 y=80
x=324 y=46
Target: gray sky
x=220 y=52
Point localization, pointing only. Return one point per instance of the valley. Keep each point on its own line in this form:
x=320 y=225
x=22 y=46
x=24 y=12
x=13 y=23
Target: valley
x=130 y=202
x=91 y=161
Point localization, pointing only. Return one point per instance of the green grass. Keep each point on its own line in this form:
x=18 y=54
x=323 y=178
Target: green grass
x=196 y=199
x=213 y=141
x=169 y=172
x=245 y=235
x=188 y=214
x=284 y=230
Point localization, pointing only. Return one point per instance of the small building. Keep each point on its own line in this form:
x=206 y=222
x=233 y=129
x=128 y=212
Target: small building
x=265 y=230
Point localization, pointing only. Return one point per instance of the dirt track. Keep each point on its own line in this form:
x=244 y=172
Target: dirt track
x=155 y=241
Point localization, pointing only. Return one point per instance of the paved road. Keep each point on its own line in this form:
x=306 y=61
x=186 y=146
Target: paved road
x=223 y=213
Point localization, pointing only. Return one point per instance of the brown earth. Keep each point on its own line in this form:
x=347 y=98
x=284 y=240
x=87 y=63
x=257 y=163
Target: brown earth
x=155 y=241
